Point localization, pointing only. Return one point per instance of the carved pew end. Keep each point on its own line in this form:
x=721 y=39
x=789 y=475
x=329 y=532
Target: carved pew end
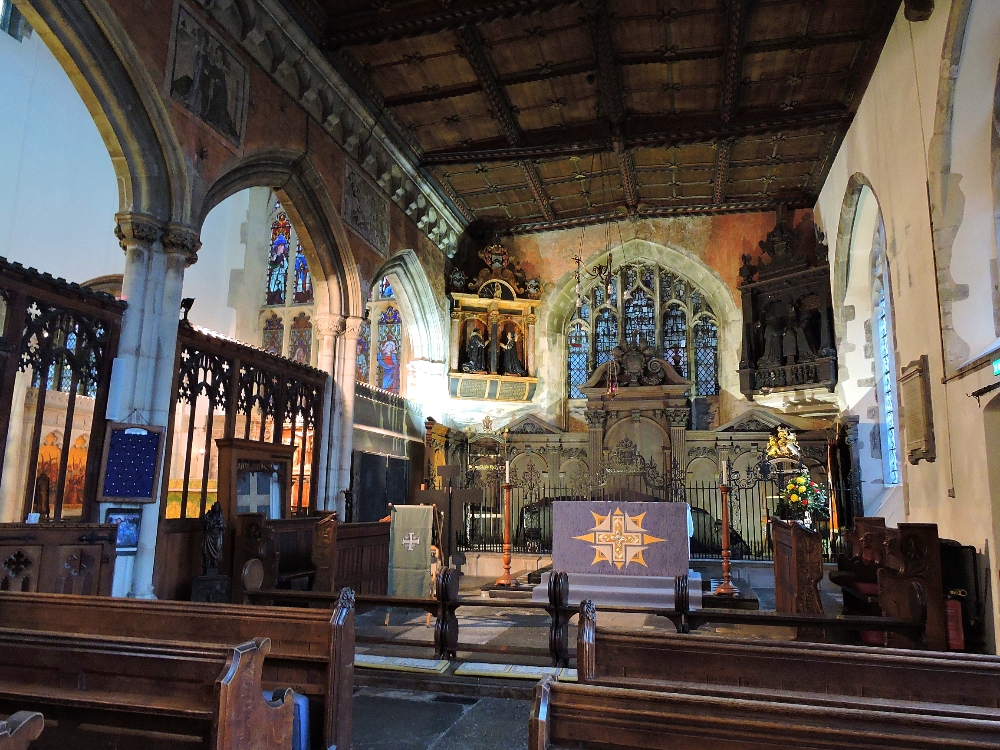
x=20 y=729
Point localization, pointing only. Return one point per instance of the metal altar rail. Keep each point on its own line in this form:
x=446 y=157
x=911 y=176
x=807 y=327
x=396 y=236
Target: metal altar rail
x=531 y=508
x=447 y=644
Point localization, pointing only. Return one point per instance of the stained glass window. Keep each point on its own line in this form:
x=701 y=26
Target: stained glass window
x=579 y=348
x=277 y=264
x=300 y=339
x=388 y=354
x=364 y=351
x=888 y=381
x=274 y=336
x=680 y=315
x=675 y=333
x=385 y=289
x=302 y=291
x=605 y=336
x=639 y=314
x=706 y=356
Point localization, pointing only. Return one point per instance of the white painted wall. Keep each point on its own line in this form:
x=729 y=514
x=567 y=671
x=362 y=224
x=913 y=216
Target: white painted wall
x=59 y=194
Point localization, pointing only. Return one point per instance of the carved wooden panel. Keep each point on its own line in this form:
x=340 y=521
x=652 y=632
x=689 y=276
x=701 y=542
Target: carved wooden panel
x=916 y=411
x=19 y=566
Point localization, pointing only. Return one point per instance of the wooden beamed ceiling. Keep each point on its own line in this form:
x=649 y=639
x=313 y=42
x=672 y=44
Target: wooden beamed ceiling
x=539 y=114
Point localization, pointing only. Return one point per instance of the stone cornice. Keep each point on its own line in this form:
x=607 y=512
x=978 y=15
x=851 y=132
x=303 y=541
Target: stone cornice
x=275 y=41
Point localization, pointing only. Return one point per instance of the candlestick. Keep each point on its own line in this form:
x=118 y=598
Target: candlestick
x=507 y=472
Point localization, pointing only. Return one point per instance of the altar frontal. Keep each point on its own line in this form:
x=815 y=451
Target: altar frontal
x=624 y=553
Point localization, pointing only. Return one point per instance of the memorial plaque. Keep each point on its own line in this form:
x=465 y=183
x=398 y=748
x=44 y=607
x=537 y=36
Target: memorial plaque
x=621 y=539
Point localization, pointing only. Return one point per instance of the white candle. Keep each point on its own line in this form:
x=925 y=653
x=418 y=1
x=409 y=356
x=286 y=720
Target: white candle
x=725 y=472
x=507 y=473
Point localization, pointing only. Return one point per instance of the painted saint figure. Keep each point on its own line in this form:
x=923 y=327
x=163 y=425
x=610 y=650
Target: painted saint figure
x=388 y=359
x=512 y=364
x=475 y=352
x=303 y=289
x=277 y=271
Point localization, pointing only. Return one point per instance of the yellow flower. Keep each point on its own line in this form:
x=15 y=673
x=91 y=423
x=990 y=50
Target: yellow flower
x=791 y=486
x=800 y=481
x=794 y=498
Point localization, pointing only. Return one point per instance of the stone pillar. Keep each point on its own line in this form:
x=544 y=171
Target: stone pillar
x=155 y=258
x=454 y=362
x=327 y=328
x=529 y=344
x=14 y=467
x=347 y=351
x=596 y=420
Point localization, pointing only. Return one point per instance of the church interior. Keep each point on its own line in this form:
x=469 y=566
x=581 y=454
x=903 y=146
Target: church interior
x=499 y=374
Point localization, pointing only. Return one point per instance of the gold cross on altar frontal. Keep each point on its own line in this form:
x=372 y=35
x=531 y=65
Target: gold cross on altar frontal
x=618 y=538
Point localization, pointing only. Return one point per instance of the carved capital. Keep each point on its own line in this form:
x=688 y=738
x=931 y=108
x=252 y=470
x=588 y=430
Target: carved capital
x=352 y=327
x=677 y=417
x=597 y=418
x=494 y=317
x=183 y=240
x=327 y=324
x=456 y=315
x=137 y=229
x=529 y=320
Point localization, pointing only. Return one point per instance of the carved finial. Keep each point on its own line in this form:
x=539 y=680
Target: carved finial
x=346 y=598
x=588 y=610
x=748 y=270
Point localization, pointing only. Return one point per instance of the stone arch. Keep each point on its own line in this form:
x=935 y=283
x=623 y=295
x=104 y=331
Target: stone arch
x=848 y=212
x=320 y=228
x=562 y=300
x=418 y=305
x=126 y=104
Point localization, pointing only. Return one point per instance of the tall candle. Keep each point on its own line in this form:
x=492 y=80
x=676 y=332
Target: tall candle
x=725 y=472
x=507 y=472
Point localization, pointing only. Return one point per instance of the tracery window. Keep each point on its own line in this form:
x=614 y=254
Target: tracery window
x=277 y=264
x=274 y=335
x=390 y=330
x=657 y=306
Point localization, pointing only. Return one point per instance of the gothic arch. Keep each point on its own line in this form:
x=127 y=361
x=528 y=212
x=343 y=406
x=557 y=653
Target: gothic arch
x=418 y=305
x=562 y=299
x=88 y=40
x=321 y=231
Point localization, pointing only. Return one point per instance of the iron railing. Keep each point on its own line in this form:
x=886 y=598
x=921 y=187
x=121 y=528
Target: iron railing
x=531 y=513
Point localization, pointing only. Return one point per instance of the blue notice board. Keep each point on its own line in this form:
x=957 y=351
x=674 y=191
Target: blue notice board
x=131 y=467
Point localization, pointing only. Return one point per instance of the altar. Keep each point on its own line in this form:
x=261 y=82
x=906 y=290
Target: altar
x=623 y=553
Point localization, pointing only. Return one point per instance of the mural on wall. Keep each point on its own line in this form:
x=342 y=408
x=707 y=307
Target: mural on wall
x=366 y=210
x=207 y=77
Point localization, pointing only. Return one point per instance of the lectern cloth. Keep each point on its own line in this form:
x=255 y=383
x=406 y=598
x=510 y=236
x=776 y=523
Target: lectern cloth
x=410 y=550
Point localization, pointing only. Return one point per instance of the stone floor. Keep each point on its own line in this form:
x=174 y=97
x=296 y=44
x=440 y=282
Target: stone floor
x=403 y=720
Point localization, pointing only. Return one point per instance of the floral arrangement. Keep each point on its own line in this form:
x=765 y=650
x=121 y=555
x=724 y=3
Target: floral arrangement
x=802 y=499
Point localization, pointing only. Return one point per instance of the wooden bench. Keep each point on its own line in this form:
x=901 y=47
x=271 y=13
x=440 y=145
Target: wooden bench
x=892 y=674
x=312 y=650
x=636 y=699
x=143 y=694
x=19 y=730
x=311 y=553
x=598 y=716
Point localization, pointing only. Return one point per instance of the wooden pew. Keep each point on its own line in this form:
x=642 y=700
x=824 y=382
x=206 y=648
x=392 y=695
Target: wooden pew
x=19 y=730
x=311 y=553
x=63 y=558
x=312 y=650
x=568 y=715
x=609 y=656
x=142 y=694
x=798 y=568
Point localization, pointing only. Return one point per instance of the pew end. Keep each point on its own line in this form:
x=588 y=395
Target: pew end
x=538 y=724
x=246 y=720
x=20 y=729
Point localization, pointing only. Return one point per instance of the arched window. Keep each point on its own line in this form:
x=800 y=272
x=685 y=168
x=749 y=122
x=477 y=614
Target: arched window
x=361 y=366
x=300 y=339
x=277 y=264
x=302 y=292
x=885 y=366
x=385 y=289
x=274 y=335
x=389 y=350
x=657 y=306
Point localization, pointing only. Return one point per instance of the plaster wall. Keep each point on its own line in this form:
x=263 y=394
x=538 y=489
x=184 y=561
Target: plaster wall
x=896 y=142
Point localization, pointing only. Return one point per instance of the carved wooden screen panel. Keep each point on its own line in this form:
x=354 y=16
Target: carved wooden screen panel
x=19 y=566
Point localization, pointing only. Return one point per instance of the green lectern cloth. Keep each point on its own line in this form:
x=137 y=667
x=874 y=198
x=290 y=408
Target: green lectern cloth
x=410 y=550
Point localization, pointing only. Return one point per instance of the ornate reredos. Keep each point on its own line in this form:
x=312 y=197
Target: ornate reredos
x=498 y=277
x=638 y=365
